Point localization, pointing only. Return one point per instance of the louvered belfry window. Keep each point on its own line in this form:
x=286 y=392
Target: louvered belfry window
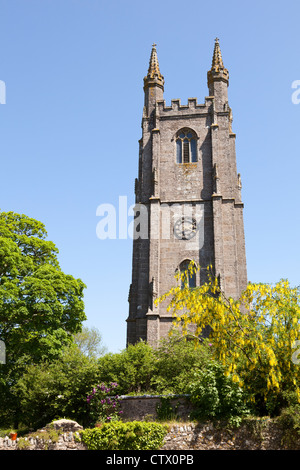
x=186 y=150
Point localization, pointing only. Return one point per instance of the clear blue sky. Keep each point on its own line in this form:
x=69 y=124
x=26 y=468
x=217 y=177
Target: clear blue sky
x=70 y=127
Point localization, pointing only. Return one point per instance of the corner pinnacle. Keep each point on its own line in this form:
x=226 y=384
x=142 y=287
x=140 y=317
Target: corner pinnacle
x=217 y=60
x=153 y=70
x=217 y=70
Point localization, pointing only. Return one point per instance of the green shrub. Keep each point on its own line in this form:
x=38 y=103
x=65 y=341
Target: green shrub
x=104 y=406
x=175 y=362
x=289 y=421
x=216 y=395
x=23 y=444
x=290 y=418
x=132 y=368
x=57 y=388
x=134 y=435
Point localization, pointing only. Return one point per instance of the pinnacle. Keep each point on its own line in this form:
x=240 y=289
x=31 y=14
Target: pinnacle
x=153 y=70
x=217 y=71
x=217 y=61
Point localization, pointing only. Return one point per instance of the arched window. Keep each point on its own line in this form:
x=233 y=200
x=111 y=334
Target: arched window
x=186 y=148
x=184 y=266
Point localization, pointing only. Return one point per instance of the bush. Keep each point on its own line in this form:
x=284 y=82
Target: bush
x=290 y=419
x=134 y=435
x=142 y=369
x=103 y=405
x=58 y=388
x=176 y=360
x=132 y=368
x=216 y=395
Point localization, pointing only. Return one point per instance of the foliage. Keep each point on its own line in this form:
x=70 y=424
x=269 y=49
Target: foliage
x=142 y=369
x=175 y=360
x=23 y=444
x=252 y=337
x=56 y=388
x=89 y=341
x=103 y=405
x=290 y=418
x=134 y=435
x=40 y=306
x=132 y=368
x=46 y=437
x=5 y=432
x=216 y=395
x=289 y=421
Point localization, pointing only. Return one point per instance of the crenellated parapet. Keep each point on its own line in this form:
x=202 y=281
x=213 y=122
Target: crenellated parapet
x=192 y=106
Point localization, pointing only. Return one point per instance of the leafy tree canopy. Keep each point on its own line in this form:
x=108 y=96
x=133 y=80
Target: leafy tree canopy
x=40 y=306
x=89 y=341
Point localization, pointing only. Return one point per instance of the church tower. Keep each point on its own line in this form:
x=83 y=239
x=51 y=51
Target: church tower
x=188 y=199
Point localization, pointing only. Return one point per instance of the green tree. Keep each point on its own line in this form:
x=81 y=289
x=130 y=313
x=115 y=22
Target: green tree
x=132 y=368
x=56 y=389
x=41 y=307
x=176 y=359
x=89 y=341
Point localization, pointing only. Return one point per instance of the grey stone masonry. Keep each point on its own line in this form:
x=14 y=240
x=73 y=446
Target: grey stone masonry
x=188 y=199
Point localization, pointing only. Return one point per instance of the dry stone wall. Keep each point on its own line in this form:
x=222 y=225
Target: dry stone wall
x=253 y=434
x=67 y=441
x=67 y=438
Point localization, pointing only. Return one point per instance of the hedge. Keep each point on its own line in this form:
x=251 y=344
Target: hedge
x=133 y=435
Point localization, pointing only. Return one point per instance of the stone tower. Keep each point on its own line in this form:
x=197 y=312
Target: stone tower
x=188 y=199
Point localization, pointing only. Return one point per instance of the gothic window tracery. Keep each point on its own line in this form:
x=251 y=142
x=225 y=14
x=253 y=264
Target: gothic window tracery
x=186 y=148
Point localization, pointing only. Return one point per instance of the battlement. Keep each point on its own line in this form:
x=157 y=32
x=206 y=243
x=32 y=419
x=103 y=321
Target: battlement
x=192 y=107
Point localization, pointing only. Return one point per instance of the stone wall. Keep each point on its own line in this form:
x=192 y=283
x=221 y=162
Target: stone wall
x=144 y=407
x=254 y=434
x=66 y=441
x=67 y=438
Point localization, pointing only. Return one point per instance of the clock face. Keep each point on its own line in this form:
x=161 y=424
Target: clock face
x=185 y=228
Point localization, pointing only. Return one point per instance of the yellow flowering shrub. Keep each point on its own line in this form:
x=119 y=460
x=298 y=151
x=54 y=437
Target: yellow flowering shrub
x=254 y=336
